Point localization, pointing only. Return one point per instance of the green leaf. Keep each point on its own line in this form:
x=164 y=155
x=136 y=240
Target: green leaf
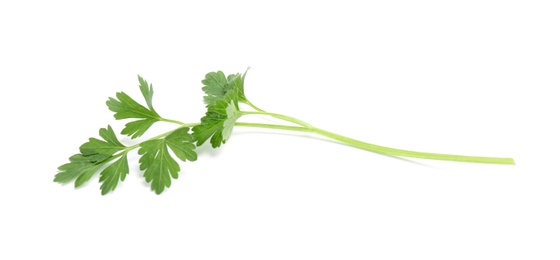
x=79 y=168
x=238 y=81
x=231 y=116
x=216 y=86
x=218 y=122
x=125 y=107
x=181 y=143
x=96 y=150
x=111 y=175
x=137 y=128
x=158 y=164
x=92 y=157
x=147 y=92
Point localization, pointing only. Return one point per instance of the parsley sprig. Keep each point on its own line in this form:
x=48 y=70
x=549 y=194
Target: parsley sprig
x=223 y=94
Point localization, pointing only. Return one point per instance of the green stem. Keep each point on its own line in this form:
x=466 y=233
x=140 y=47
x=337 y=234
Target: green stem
x=272 y=126
x=171 y=121
x=279 y=116
x=253 y=106
x=400 y=152
x=383 y=149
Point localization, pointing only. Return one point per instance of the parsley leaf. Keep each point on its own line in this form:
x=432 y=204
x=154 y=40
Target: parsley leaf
x=99 y=150
x=218 y=122
x=94 y=155
x=238 y=81
x=126 y=107
x=182 y=144
x=80 y=168
x=156 y=161
x=216 y=86
x=147 y=92
x=111 y=175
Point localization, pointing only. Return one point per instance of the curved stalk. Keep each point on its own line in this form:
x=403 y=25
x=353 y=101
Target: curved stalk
x=279 y=116
x=253 y=106
x=385 y=150
x=172 y=121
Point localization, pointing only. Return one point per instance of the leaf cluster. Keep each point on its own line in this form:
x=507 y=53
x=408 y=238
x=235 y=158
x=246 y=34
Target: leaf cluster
x=158 y=155
x=95 y=155
x=125 y=107
x=222 y=98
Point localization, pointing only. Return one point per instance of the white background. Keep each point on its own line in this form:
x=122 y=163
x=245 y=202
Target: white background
x=465 y=77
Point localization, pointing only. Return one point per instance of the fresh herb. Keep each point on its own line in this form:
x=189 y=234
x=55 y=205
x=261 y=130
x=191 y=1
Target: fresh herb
x=159 y=153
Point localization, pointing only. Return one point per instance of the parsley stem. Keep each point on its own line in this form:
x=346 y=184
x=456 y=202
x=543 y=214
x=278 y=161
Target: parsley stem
x=253 y=106
x=400 y=152
x=382 y=149
x=273 y=126
x=279 y=116
x=171 y=121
